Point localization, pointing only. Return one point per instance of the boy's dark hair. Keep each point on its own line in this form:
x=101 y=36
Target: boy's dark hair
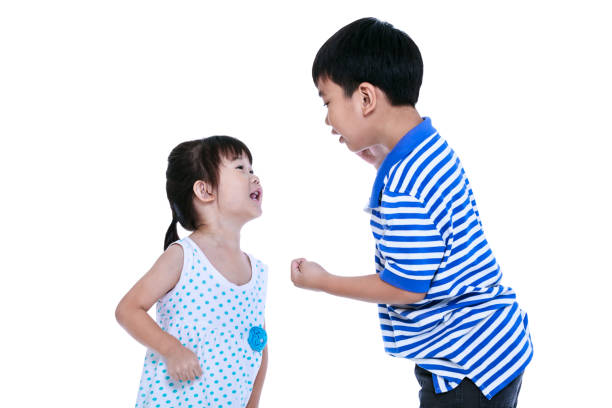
x=370 y=50
x=192 y=161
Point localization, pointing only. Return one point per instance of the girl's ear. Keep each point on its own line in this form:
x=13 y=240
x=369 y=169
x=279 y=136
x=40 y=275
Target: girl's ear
x=203 y=191
x=367 y=97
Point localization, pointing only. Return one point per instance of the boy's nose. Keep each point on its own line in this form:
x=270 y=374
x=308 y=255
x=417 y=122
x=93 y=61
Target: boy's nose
x=255 y=180
x=329 y=124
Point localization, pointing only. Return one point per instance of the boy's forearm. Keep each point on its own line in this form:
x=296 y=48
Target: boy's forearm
x=259 y=380
x=369 y=288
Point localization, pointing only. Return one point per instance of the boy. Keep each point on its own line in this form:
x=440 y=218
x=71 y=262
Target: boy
x=437 y=283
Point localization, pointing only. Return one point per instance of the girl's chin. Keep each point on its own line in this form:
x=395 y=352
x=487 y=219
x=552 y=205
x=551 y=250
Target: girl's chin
x=255 y=214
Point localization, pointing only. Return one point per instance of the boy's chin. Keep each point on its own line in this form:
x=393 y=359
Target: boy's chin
x=360 y=151
x=353 y=149
x=360 y=147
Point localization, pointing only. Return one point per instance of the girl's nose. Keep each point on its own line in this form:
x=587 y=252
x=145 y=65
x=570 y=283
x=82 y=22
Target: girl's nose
x=327 y=120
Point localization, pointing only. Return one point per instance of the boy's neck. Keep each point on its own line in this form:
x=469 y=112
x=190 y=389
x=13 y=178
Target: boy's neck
x=399 y=120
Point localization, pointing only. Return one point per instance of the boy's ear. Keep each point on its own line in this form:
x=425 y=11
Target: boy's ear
x=203 y=191
x=367 y=97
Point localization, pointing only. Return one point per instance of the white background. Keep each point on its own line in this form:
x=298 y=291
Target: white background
x=94 y=95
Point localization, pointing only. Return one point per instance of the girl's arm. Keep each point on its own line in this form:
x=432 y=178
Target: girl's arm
x=259 y=380
x=131 y=313
x=369 y=288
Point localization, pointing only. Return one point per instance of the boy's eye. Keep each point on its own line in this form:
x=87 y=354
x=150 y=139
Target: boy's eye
x=240 y=167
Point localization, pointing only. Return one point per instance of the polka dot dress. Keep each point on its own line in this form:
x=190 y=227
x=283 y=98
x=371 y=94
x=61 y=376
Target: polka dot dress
x=213 y=317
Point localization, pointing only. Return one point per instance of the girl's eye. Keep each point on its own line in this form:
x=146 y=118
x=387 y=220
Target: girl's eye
x=241 y=167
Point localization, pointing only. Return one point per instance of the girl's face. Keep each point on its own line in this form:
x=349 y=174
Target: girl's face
x=239 y=191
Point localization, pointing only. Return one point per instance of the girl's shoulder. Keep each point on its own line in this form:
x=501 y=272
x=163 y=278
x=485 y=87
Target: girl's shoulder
x=259 y=268
x=173 y=256
x=258 y=263
x=178 y=254
x=184 y=245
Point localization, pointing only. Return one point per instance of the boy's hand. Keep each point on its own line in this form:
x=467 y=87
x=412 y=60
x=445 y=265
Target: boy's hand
x=374 y=154
x=183 y=364
x=308 y=275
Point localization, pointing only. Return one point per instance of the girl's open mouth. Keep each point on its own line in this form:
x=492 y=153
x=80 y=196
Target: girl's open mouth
x=256 y=195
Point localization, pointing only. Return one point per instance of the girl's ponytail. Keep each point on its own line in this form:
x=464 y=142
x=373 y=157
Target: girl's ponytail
x=171 y=234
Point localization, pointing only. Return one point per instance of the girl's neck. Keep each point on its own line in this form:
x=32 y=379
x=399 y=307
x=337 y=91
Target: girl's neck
x=219 y=237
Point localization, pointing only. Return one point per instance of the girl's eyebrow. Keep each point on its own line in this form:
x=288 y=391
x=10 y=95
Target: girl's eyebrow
x=239 y=161
x=239 y=158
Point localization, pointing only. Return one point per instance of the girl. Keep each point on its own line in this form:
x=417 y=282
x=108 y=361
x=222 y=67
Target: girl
x=207 y=348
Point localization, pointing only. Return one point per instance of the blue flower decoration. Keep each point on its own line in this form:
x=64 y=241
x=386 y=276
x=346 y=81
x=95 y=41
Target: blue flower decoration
x=257 y=338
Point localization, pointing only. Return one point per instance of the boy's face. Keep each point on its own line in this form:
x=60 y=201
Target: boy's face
x=345 y=116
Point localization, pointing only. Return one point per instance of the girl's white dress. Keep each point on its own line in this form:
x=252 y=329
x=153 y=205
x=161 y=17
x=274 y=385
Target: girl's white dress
x=222 y=323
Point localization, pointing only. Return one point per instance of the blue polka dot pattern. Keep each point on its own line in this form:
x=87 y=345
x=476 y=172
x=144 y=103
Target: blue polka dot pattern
x=213 y=317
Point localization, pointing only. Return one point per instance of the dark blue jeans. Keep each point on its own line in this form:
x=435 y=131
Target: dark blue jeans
x=465 y=395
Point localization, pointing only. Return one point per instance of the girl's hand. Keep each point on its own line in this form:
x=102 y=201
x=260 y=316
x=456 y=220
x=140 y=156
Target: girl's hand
x=183 y=364
x=374 y=154
x=308 y=275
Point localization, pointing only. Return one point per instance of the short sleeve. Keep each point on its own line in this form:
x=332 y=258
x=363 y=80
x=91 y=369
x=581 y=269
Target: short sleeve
x=411 y=247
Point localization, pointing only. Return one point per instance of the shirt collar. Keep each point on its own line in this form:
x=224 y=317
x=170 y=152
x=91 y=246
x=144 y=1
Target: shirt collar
x=402 y=149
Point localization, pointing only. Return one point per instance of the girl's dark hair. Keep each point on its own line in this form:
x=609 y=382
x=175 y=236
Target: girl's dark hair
x=192 y=161
x=370 y=50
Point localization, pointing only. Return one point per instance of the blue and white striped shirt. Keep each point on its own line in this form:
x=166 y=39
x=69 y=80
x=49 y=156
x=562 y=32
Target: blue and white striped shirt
x=429 y=238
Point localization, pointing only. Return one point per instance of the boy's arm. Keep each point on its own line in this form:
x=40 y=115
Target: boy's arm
x=410 y=246
x=368 y=288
